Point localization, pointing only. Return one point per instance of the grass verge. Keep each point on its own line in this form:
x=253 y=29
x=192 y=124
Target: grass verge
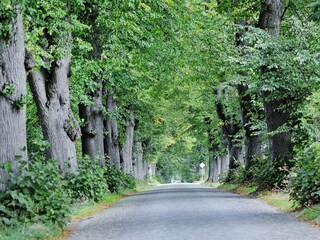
x=311 y=214
x=30 y=232
x=280 y=200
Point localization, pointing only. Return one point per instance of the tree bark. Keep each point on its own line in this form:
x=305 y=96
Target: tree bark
x=112 y=139
x=147 y=146
x=50 y=89
x=280 y=145
x=92 y=131
x=13 y=140
x=252 y=142
x=229 y=132
x=213 y=149
x=138 y=170
x=127 y=150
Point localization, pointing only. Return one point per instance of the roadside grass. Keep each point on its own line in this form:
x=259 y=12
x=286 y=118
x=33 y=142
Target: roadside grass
x=214 y=184
x=279 y=200
x=30 y=232
x=79 y=211
x=311 y=214
x=86 y=209
x=228 y=187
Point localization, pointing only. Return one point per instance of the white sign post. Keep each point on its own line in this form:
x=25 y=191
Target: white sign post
x=202 y=170
x=202 y=165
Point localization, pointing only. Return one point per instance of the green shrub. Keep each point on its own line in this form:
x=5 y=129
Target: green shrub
x=117 y=180
x=88 y=183
x=37 y=194
x=236 y=175
x=306 y=182
x=267 y=174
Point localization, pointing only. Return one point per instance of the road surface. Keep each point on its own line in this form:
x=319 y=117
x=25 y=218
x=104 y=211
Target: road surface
x=192 y=211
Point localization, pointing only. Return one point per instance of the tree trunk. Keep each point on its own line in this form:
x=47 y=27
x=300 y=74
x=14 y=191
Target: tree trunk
x=229 y=131
x=224 y=163
x=147 y=147
x=213 y=171
x=213 y=149
x=13 y=140
x=235 y=155
x=135 y=159
x=112 y=139
x=51 y=93
x=252 y=142
x=139 y=161
x=128 y=146
x=280 y=145
x=153 y=170
x=92 y=131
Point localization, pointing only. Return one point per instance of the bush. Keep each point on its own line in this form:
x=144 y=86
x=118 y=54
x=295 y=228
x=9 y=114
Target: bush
x=88 y=183
x=266 y=174
x=117 y=180
x=37 y=194
x=306 y=182
x=237 y=175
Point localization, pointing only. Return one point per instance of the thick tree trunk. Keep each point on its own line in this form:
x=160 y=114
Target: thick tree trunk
x=51 y=93
x=153 y=170
x=127 y=150
x=280 y=145
x=235 y=155
x=270 y=16
x=229 y=131
x=112 y=138
x=147 y=147
x=13 y=140
x=224 y=163
x=92 y=131
x=213 y=169
x=252 y=142
x=213 y=159
x=138 y=170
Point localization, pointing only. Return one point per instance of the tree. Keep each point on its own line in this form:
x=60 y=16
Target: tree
x=91 y=111
x=280 y=146
x=49 y=82
x=127 y=150
x=112 y=138
x=13 y=139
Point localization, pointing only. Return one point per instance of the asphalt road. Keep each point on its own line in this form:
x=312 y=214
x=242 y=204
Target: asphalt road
x=192 y=211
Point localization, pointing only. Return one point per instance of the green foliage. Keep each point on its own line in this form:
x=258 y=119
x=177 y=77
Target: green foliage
x=236 y=176
x=306 y=182
x=88 y=183
x=118 y=180
x=316 y=10
x=267 y=174
x=8 y=90
x=8 y=13
x=36 y=194
x=20 y=102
